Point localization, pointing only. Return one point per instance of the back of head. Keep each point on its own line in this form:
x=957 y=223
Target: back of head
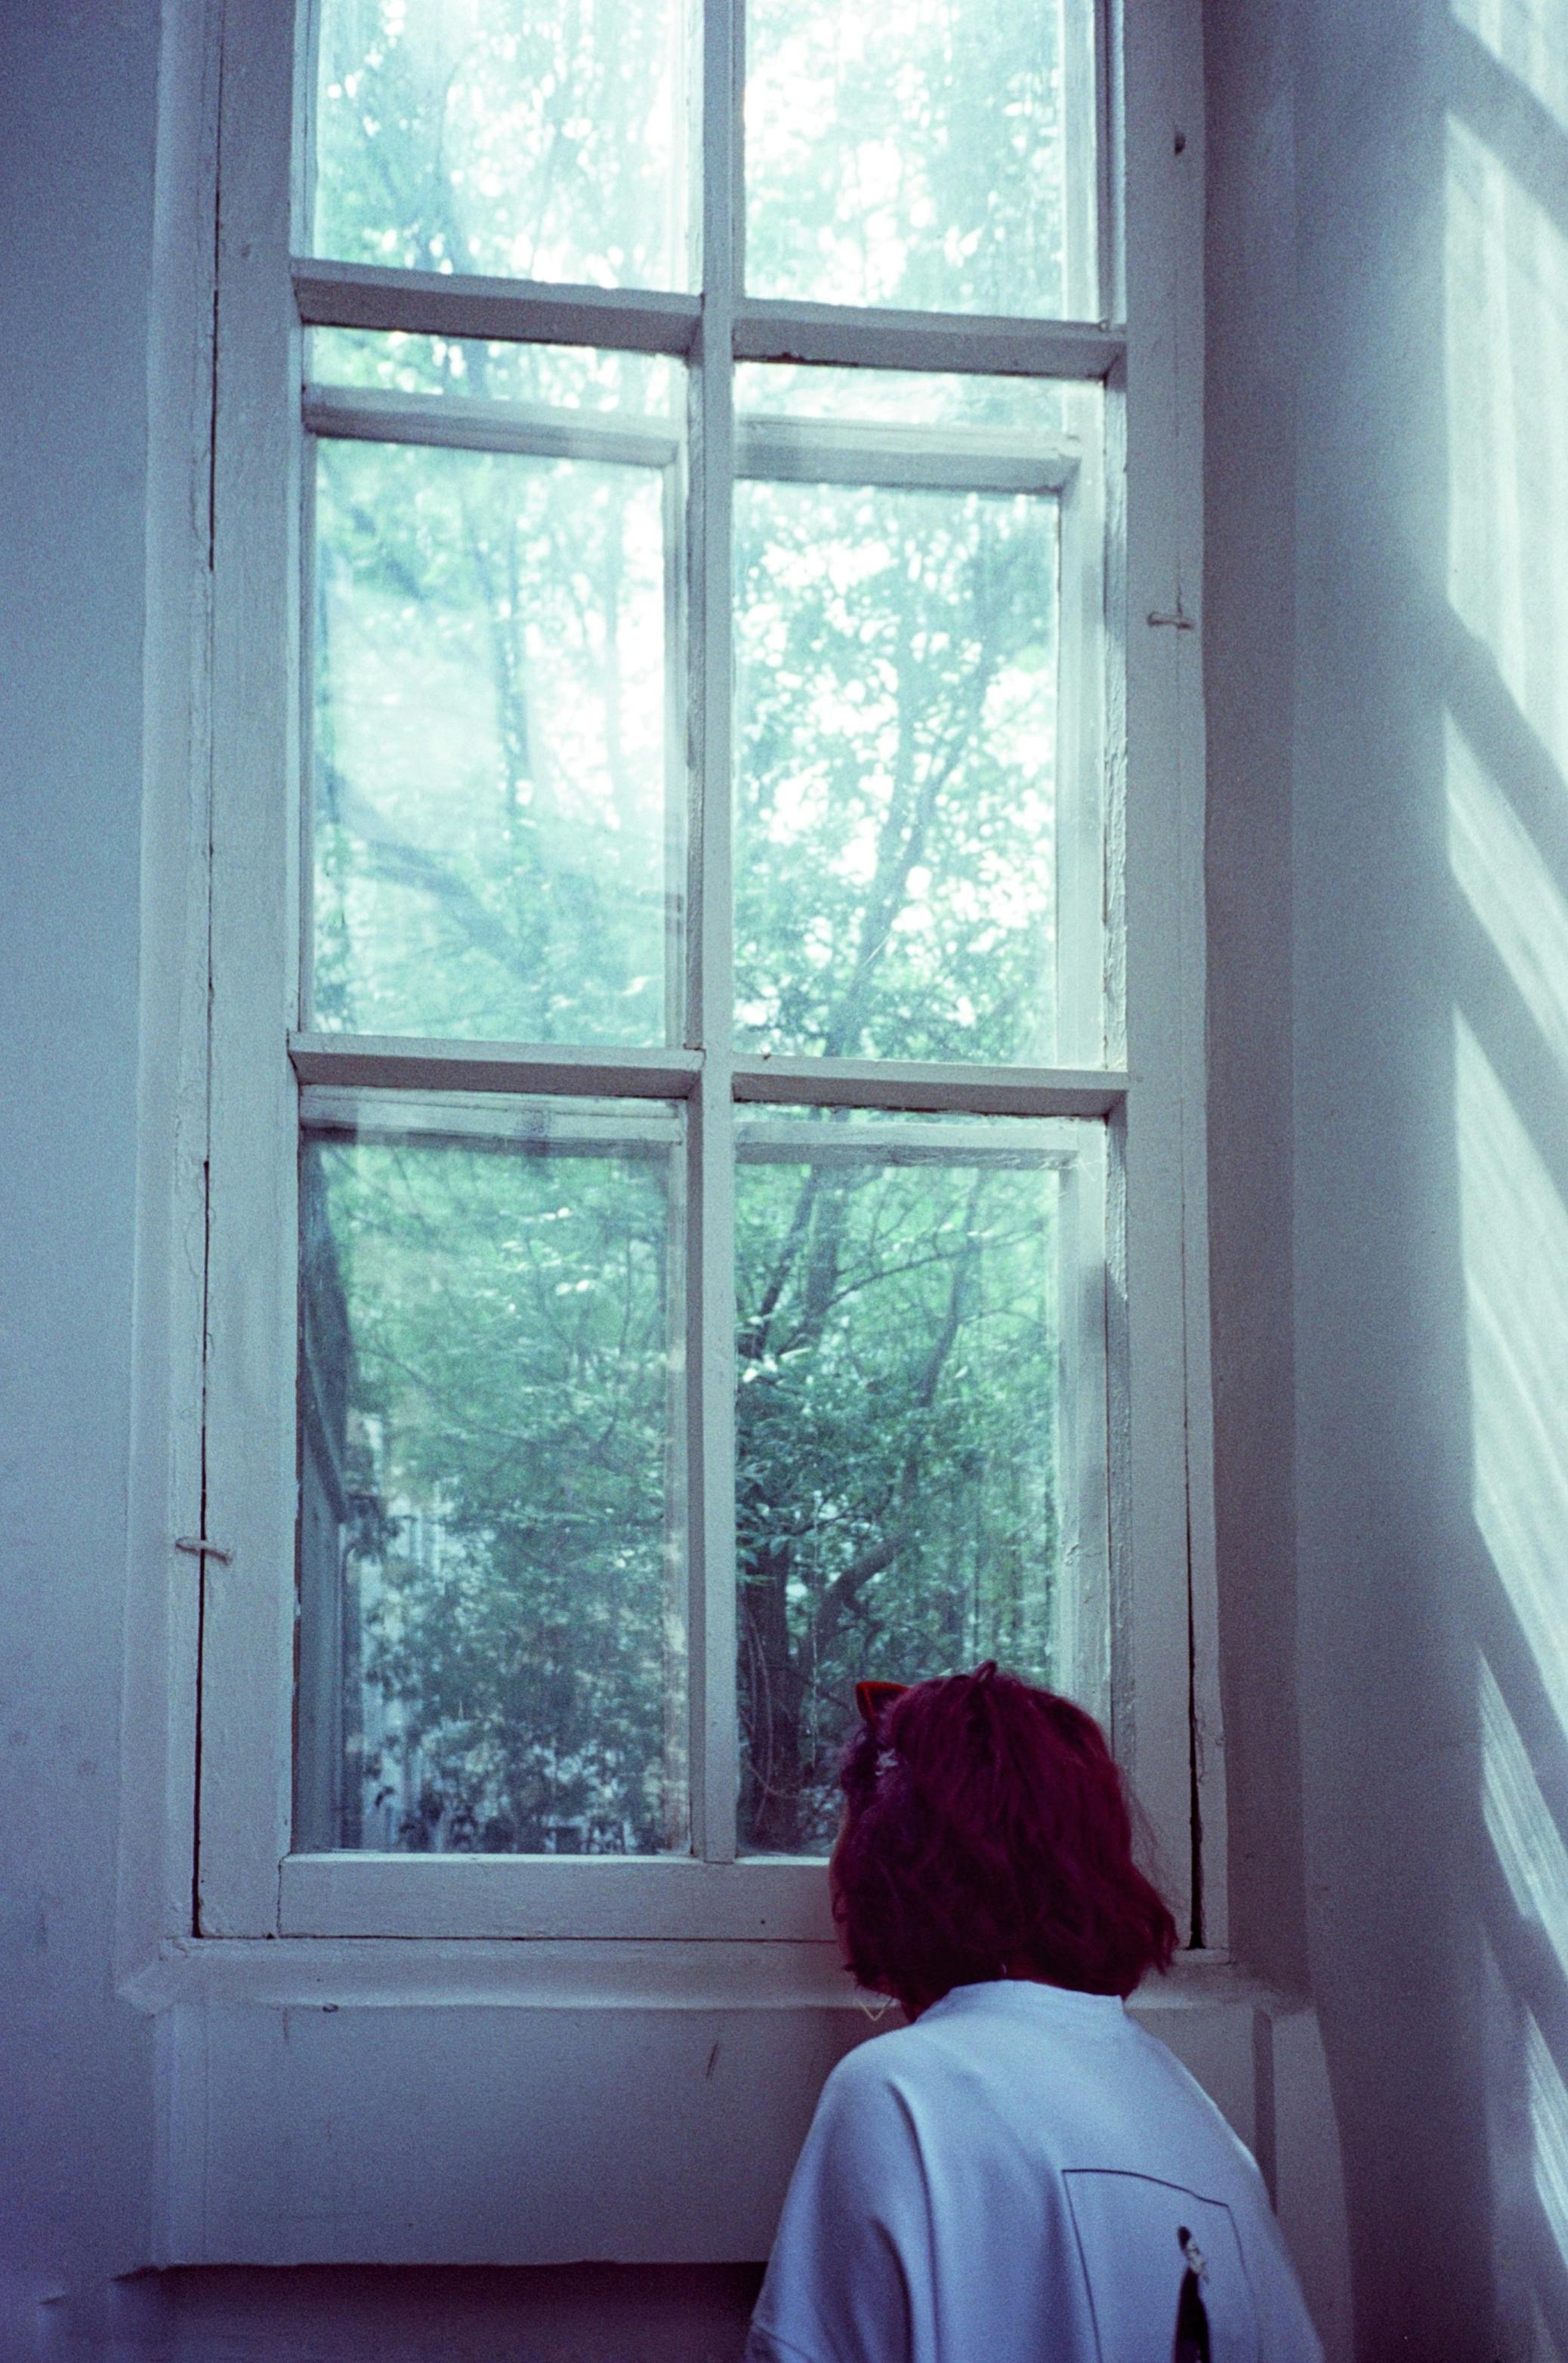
x=986 y=1835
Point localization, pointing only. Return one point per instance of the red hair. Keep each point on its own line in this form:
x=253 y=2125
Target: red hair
x=987 y=1833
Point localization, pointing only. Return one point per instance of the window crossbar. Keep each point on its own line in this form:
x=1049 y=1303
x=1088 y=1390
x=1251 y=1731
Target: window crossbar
x=771 y=449
x=453 y=304
x=371 y=1063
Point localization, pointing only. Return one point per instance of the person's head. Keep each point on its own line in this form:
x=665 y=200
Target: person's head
x=986 y=1835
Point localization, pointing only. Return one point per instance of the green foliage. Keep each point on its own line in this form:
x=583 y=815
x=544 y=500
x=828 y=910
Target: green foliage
x=532 y=138
x=896 y=789
x=489 y=746
x=908 y=152
x=896 y=1446
x=494 y=855
x=509 y=1400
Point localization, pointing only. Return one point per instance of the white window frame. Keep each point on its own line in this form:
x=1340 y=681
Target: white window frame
x=1146 y=352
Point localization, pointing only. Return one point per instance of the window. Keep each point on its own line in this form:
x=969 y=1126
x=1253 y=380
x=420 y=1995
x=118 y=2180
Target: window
x=695 y=834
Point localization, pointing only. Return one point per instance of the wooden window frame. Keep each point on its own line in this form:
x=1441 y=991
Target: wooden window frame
x=1145 y=353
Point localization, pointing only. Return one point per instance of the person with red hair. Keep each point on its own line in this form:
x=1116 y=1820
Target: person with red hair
x=1020 y=2174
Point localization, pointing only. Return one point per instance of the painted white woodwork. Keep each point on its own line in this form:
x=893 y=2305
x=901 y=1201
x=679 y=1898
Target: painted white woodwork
x=564 y=1122
x=365 y=296
x=397 y=1063
x=821 y=451
x=904 y=1084
x=711 y=1376
x=843 y=335
x=435 y=304
x=378 y=414
x=817 y=451
x=552 y=1896
x=647 y=2106
x=156 y=1835
x=247 y=1624
x=1160 y=1136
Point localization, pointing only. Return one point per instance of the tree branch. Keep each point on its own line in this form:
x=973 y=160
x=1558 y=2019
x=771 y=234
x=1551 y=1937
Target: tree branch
x=399 y=863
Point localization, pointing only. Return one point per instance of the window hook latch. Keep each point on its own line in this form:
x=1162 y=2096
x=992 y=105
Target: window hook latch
x=200 y=1547
x=1180 y=621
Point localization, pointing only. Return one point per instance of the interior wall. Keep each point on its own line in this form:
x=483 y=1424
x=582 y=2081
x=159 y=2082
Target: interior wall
x=77 y=104
x=1396 y=493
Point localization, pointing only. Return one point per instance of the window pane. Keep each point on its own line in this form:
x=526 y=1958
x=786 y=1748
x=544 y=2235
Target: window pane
x=931 y=154
x=905 y=1409
x=517 y=138
x=493 y=1650
x=496 y=853
x=896 y=776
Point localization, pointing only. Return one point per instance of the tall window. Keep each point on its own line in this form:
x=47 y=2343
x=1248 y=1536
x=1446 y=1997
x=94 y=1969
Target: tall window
x=668 y=935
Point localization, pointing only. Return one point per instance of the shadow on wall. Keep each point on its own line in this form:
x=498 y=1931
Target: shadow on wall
x=340 y=2313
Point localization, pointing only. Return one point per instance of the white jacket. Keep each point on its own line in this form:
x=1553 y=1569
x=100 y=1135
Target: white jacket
x=1009 y=2180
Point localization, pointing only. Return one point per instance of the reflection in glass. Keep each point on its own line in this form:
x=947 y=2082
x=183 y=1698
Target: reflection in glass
x=931 y=154
x=899 y=1407
x=511 y=136
x=492 y=1607
x=896 y=776
x=495 y=855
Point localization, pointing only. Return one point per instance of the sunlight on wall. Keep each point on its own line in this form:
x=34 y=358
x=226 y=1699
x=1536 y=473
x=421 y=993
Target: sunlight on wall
x=1514 y=1238
x=1509 y=886
x=1505 y=747
x=1527 y=38
x=1506 y=782
x=1549 y=2132
x=1507 y=311
x=1518 y=1822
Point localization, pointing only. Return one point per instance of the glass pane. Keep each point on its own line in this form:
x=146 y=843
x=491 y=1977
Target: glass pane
x=517 y=137
x=562 y=377
x=496 y=853
x=932 y=154
x=897 y=658
x=492 y=1652
x=904 y=1377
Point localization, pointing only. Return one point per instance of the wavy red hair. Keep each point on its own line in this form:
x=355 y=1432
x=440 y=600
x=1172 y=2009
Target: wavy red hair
x=986 y=1835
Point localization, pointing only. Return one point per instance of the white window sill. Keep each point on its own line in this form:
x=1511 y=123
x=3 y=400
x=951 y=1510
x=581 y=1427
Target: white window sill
x=563 y=1897
x=545 y=1973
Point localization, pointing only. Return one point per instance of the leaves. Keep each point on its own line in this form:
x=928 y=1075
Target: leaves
x=899 y=1484
x=493 y=1600
x=507 y=1401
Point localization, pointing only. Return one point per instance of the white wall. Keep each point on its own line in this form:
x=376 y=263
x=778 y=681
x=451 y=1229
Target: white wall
x=1388 y=621
x=76 y=166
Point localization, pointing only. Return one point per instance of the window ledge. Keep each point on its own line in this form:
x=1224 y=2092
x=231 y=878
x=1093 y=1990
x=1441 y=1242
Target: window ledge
x=684 y=1974
x=567 y=1898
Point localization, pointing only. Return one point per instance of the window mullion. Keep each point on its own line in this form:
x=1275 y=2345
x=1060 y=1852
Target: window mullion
x=710 y=1316
x=460 y=303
